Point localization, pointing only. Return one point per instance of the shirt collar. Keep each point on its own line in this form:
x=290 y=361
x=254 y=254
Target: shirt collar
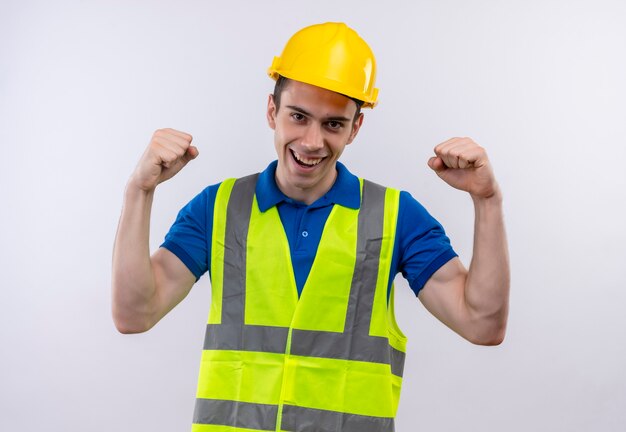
x=346 y=191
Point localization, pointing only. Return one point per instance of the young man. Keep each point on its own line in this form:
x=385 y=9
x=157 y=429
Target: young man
x=301 y=334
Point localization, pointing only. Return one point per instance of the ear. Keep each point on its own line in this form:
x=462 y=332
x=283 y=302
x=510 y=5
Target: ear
x=356 y=126
x=271 y=112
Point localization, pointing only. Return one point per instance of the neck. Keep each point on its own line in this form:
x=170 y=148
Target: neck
x=303 y=193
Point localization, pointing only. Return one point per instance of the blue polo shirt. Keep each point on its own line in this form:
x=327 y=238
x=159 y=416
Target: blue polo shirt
x=421 y=246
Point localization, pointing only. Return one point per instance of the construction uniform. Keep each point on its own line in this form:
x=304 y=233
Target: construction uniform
x=301 y=334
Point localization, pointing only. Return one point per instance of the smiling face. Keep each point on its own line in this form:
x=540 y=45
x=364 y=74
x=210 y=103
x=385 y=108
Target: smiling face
x=311 y=129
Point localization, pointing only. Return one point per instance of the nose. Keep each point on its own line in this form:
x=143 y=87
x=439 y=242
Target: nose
x=313 y=138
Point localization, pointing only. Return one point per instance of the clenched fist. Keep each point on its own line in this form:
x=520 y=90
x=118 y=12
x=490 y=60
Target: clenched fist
x=168 y=152
x=464 y=165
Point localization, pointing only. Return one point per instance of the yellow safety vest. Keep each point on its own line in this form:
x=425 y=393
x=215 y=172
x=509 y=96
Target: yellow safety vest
x=331 y=360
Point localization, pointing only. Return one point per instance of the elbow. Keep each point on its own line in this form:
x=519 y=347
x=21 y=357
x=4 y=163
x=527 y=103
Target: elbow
x=488 y=328
x=125 y=328
x=130 y=317
x=489 y=334
x=126 y=325
x=489 y=340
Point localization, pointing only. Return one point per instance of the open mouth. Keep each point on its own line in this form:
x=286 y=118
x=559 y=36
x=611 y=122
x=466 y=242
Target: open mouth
x=305 y=161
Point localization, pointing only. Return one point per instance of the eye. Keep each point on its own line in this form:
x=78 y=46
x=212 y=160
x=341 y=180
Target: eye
x=297 y=116
x=335 y=125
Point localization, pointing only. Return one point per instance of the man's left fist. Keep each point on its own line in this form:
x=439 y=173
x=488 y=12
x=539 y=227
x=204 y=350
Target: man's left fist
x=464 y=165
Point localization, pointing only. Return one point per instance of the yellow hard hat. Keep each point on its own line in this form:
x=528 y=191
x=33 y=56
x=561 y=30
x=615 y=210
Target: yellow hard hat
x=331 y=56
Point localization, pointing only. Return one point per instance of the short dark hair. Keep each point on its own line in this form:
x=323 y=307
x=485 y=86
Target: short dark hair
x=281 y=84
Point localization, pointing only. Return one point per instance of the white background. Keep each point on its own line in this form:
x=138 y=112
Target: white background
x=540 y=84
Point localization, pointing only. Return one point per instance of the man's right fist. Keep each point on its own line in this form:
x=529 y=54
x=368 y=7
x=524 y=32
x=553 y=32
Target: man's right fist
x=168 y=152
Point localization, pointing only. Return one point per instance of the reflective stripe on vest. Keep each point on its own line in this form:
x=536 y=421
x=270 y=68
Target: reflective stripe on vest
x=330 y=361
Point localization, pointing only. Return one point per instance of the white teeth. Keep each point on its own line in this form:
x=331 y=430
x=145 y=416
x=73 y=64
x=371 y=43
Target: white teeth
x=306 y=161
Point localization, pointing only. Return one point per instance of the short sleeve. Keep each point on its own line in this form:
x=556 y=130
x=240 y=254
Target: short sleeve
x=189 y=237
x=422 y=244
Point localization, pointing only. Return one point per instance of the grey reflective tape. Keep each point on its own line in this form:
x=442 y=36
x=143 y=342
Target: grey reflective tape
x=375 y=349
x=237 y=221
x=339 y=345
x=237 y=414
x=369 y=242
x=246 y=338
x=299 y=419
x=397 y=361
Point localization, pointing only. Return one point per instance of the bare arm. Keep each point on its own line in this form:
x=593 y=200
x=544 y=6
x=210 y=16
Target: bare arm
x=473 y=303
x=144 y=287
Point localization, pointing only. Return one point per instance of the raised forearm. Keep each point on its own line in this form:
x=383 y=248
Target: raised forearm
x=488 y=279
x=133 y=284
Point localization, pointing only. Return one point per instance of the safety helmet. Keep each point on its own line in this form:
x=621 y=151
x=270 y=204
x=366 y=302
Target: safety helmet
x=331 y=56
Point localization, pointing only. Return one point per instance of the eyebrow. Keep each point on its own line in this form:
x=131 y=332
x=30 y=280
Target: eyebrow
x=303 y=111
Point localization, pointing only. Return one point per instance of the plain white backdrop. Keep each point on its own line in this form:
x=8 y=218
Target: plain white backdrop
x=540 y=84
